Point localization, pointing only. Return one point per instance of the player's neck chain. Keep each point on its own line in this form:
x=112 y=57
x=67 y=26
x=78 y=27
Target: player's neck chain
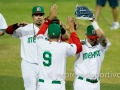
x=34 y=35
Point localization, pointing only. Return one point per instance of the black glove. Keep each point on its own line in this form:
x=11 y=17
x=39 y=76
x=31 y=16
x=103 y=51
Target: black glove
x=63 y=31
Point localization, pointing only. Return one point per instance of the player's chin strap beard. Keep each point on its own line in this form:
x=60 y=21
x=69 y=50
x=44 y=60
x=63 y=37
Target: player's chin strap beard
x=91 y=45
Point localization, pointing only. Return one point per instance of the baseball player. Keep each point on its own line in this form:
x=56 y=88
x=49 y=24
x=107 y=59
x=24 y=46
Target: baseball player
x=52 y=56
x=26 y=33
x=3 y=25
x=88 y=62
x=44 y=29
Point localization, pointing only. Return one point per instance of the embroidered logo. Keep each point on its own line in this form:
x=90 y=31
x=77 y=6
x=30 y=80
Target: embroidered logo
x=38 y=9
x=93 y=32
x=90 y=55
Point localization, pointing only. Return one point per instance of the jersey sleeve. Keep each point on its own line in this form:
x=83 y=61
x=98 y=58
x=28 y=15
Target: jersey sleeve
x=75 y=40
x=71 y=49
x=40 y=37
x=3 y=24
x=15 y=31
x=104 y=49
x=18 y=32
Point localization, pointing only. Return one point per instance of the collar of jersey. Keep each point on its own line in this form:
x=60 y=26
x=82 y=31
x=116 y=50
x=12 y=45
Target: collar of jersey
x=88 y=44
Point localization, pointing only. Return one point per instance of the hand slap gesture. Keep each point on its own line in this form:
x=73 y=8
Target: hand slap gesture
x=53 y=12
x=70 y=24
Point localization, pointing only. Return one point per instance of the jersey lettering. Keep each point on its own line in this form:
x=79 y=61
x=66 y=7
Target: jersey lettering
x=47 y=58
x=91 y=55
x=31 y=40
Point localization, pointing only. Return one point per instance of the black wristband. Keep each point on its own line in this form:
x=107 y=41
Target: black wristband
x=63 y=31
x=75 y=27
x=15 y=26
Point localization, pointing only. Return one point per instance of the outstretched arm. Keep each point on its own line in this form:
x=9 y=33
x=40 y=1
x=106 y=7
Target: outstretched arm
x=53 y=13
x=10 y=29
x=100 y=33
x=73 y=36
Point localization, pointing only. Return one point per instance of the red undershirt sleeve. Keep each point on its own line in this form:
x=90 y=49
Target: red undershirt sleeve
x=44 y=27
x=10 y=29
x=75 y=39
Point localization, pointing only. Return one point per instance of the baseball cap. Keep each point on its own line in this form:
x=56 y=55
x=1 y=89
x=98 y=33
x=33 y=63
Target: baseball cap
x=37 y=9
x=91 y=33
x=54 y=30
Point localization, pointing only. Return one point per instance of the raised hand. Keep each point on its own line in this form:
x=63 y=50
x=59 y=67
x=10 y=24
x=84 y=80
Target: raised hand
x=53 y=12
x=76 y=24
x=70 y=24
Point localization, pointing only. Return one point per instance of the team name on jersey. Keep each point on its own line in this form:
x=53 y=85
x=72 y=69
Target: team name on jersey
x=90 y=55
x=31 y=40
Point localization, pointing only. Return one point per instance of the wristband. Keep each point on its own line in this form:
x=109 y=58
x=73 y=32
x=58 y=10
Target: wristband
x=63 y=31
x=15 y=26
x=95 y=25
x=48 y=21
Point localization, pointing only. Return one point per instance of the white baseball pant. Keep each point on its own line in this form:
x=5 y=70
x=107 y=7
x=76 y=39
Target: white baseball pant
x=30 y=75
x=85 y=85
x=48 y=85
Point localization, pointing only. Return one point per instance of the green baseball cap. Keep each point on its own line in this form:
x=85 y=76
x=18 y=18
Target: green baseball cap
x=91 y=33
x=54 y=30
x=37 y=9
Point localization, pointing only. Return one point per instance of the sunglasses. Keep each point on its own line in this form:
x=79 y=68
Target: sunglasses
x=38 y=14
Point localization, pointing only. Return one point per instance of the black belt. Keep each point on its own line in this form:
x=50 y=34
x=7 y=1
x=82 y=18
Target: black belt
x=53 y=82
x=89 y=80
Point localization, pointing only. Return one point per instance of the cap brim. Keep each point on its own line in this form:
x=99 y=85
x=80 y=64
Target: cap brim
x=92 y=36
x=38 y=13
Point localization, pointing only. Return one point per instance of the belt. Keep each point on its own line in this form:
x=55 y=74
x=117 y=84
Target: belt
x=89 y=80
x=53 y=82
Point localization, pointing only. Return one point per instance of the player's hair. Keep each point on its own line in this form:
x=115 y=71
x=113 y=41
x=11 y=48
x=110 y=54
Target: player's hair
x=57 y=37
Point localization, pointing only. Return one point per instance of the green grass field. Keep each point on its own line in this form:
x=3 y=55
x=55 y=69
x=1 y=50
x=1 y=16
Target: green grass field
x=16 y=11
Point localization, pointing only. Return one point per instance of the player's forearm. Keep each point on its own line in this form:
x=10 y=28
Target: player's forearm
x=10 y=29
x=64 y=34
x=65 y=37
x=100 y=33
x=44 y=27
x=75 y=39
